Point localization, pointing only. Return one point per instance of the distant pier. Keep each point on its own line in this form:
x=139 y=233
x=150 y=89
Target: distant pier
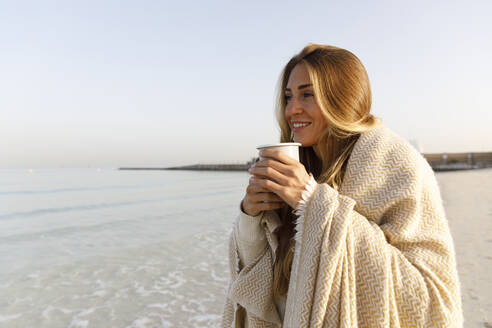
x=459 y=161
x=197 y=167
x=438 y=162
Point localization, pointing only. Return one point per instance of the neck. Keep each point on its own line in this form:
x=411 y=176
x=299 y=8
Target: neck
x=316 y=151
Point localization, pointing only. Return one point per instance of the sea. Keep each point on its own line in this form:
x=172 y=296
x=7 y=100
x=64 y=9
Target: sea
x=112 y=248
x=108 y=248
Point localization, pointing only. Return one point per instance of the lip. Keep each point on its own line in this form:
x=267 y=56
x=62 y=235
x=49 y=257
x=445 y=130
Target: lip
x=299 y=128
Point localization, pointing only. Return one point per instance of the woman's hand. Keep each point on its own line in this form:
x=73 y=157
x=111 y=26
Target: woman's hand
x=289 y=176
x=259 y=199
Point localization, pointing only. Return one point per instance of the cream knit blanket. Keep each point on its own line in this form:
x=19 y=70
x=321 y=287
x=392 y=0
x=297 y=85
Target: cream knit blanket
x=378 y=253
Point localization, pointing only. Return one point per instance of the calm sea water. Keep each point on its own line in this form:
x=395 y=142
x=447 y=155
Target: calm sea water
x=109 y=248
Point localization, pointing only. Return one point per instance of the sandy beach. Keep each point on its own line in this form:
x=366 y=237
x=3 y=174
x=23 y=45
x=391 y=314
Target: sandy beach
x=467 y=197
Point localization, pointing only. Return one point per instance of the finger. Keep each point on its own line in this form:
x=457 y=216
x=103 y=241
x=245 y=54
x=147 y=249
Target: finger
x=269 y=206
x=264 y=197
x=256 y=179
x=254 y=188
x=271 y=186
x=269 y=172
x=279 y=166
x=277 y=155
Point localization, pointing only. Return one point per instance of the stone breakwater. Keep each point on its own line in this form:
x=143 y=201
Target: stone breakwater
x=197 y=167
x=438 y=162
x=459 y=161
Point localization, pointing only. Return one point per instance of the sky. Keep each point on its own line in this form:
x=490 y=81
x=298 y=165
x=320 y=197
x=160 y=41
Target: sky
x=163 y=83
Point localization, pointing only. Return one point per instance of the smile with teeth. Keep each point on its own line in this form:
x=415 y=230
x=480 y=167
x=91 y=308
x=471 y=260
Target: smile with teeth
x=299 y=125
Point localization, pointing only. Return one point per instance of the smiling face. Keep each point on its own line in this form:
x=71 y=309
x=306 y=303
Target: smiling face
x=301 y=110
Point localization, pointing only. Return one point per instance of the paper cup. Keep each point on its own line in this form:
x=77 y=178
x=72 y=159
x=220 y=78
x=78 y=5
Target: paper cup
x=289 y=148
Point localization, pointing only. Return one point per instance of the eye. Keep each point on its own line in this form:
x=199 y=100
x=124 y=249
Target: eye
x=287 y=97
x=307 y=94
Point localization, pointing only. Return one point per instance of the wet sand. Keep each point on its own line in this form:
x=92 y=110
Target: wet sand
x=467 y=197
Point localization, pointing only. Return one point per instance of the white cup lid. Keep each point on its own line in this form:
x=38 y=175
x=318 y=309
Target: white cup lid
x=281 y=144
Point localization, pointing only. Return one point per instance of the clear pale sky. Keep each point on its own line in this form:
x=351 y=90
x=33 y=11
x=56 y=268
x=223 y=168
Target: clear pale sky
x=160 y=83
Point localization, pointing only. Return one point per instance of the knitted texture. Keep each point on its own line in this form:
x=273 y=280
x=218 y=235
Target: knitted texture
x=299 y=212
x=376 y=253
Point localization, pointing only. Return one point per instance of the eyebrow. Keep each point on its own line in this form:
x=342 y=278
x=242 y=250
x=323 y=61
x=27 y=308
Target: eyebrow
x=302 y=86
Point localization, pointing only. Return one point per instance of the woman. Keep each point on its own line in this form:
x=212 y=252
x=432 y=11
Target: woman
x=353 y=235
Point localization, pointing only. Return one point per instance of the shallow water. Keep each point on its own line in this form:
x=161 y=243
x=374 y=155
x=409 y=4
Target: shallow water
x=108 y=248
x=89 y=248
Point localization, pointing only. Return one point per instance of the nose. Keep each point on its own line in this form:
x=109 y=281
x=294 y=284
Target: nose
x=293 y=107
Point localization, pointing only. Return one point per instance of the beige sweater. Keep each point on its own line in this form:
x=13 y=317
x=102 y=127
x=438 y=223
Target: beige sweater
x=251 y=241
x=377 y=253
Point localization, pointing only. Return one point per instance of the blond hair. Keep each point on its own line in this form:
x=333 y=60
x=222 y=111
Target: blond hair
x=343 y=93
